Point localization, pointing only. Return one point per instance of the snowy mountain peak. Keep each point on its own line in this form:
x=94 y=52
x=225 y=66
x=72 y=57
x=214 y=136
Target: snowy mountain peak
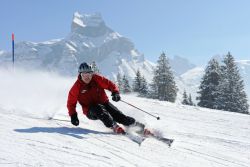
x=89 y=40
x=88 y=19
x=180 y=64
x=89 y=24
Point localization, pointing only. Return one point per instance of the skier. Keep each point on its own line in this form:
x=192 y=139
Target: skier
x=88 y=90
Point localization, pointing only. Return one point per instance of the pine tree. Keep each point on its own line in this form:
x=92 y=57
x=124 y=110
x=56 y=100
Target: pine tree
x=95 y=68
x=190 y=101
x=232 y=96
x=208 y=89
x=153 y=91
x=185 y=98
x=144 y=87
x=163 y=85
x=119 y=82
x=126 y=85
x=137 y=81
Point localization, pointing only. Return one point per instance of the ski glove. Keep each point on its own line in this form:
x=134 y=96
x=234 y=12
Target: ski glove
x=116 y=96
x=74 y=119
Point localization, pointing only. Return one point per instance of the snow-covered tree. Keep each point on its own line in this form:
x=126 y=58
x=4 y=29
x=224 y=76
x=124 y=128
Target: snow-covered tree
x=119 y=82
x=137 y=81
x=185 y=98
x=163 y=85
x=153 y=91
x=95 y=68
x=140 y=84
x=144 y=87
x=232 y=96
x=208 y=90
x=190 y=101
x=126 y=85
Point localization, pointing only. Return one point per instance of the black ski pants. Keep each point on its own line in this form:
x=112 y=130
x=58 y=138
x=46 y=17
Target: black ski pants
x=109 y=115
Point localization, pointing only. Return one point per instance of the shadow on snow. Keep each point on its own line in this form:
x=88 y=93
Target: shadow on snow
x=74 y=132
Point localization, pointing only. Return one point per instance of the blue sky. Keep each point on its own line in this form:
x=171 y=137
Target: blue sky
x=194 y=29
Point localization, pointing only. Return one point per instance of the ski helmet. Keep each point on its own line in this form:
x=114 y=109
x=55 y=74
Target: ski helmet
x=85 y=68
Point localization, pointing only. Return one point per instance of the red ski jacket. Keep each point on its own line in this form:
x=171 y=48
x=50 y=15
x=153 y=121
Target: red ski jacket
x=89 y=94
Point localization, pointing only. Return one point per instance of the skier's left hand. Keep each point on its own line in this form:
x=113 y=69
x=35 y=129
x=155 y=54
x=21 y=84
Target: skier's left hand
x=116 y=96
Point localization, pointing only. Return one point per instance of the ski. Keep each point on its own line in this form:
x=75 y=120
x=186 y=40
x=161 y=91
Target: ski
x=140 y=129
x=139 y=138
x=135 y=138
x=167 y=141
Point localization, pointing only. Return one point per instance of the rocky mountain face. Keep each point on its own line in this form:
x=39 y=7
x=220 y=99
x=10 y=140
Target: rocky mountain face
x=89 y=40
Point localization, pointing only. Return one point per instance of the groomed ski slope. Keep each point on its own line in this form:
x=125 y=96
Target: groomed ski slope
x=203 y=137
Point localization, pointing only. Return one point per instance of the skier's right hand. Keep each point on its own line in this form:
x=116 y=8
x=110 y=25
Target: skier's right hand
x=116 y=96
x=74 y=119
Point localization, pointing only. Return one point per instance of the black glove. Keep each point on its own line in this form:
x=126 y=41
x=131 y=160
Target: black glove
x=74 y=119
x=116 y=96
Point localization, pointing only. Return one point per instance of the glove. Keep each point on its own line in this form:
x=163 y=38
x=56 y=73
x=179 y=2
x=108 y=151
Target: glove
x=74 y=119
x=116 y=96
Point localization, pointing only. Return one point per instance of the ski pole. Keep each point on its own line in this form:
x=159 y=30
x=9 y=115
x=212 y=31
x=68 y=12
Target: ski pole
x=140 y=109
x=56 y=119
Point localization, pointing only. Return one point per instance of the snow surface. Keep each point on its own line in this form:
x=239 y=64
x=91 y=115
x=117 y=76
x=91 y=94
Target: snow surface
x=203 y=137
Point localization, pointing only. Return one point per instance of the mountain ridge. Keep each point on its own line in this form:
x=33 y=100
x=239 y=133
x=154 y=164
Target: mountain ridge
x=90 y=39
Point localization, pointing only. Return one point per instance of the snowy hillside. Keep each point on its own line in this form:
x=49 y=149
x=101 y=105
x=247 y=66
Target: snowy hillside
x=180 y=65
x=203 y=137
x=190 y=82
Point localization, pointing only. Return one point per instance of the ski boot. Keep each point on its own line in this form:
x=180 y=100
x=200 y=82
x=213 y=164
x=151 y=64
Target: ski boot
x=140 y=129
x=137 y=127
x=118 y=130
x=147 y=132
